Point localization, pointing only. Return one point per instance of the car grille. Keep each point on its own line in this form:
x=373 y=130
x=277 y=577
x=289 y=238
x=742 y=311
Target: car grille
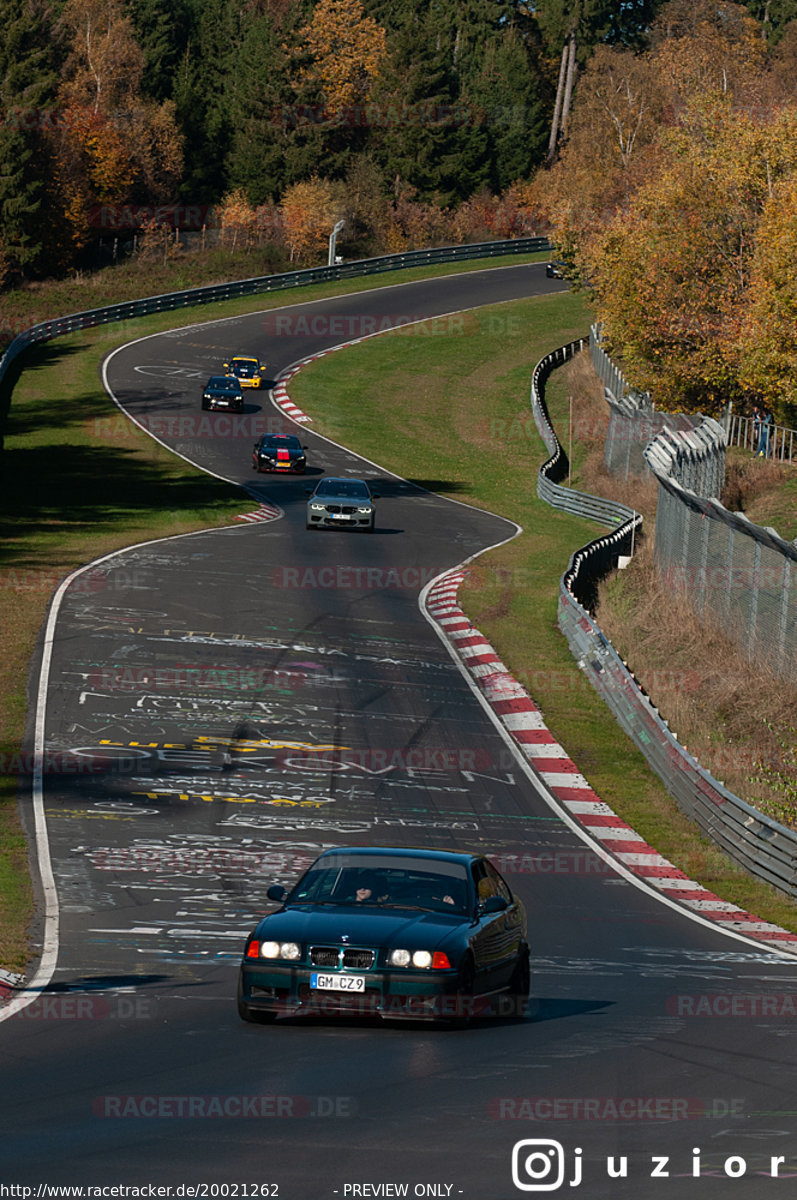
x=338 y=956
x=341 y=508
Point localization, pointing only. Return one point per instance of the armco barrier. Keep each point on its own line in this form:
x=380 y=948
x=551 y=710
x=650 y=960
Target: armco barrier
x=46 y=330
x=764 y=847
x=598 y=557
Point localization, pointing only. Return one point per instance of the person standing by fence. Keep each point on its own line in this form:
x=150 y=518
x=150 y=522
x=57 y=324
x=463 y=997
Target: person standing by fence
x=765 y=423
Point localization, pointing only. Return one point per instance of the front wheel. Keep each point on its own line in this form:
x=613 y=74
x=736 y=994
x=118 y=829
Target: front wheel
x=519 y=986
x=463 y=999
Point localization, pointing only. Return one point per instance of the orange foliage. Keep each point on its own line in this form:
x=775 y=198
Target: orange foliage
x=347 y=49
x=308 y=212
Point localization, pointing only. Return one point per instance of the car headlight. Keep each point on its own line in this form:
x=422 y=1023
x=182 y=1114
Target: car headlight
x=422 y=959
x=317 y=507
x=287 y=950
x=365 y=509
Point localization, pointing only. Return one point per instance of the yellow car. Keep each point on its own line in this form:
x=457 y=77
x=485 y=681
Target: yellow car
x=246 y=370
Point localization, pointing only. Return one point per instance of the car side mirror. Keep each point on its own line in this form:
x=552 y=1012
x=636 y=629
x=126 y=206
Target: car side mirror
x=375 y=496
x=276 y=892
x=493 y=904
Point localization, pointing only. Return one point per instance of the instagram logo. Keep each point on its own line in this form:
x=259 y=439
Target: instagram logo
x=538 y=1164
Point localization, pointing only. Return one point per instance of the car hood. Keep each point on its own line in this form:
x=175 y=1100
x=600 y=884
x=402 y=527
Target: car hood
x=369 y=927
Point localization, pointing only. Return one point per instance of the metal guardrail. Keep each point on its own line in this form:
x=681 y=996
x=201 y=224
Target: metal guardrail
x=761 y=845
x=46 y=330
x=599 y=556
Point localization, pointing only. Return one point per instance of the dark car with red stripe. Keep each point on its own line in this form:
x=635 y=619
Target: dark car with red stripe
x=279 y=452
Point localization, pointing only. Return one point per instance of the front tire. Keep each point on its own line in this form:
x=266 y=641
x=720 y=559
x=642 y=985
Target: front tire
x=464 y=995
x=519 y=986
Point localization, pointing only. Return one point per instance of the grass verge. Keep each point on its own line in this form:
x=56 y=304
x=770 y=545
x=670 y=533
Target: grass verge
x=386 y=399
x=68 y=495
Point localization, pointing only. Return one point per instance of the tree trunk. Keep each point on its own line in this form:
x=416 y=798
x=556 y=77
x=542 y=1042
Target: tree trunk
x=557 y=111
x=571 y=71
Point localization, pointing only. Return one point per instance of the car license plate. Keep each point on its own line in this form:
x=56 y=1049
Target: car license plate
x=338 y=983
x=340 y=516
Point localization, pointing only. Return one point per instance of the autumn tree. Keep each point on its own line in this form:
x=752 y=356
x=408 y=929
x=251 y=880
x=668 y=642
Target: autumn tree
x=609 y=150
x=572 y=29
x=672 y=272
x=700 y=48
x=104 y=63
x=308 y=211
x=111 y=144
x=767 y=344
x=346 y=50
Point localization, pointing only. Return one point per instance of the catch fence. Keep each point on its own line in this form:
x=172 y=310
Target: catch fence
x=760 y=844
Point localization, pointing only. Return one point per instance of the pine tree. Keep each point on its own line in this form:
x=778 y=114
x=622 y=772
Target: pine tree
x=164 y=29
x=202 y=92
x=27 y=80
x=423 y=130
x=508 y=90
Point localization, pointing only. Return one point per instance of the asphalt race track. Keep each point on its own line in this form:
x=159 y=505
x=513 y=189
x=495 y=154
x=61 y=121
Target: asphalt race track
x=657 y=1055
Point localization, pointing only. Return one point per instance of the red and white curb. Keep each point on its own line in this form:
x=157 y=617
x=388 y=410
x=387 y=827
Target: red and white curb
x=265 y=512
x=280 y=391
x=526 y=724
x=283 y=401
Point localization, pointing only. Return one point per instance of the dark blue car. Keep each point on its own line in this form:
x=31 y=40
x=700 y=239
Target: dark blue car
x=223 y=392
x=418 y=934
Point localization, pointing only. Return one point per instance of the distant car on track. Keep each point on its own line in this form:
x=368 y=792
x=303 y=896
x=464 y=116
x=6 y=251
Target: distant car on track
x=394 y=932
x=555 y=270
x=223 y=392
x=247 y=370
x=279 y=452
x=344 y=503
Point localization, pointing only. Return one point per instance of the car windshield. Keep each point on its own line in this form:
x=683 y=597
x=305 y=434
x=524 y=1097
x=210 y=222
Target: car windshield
x=354 y=489
x=246 y=363
x=222 y=384
x=280 y=442
x=385 y=883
